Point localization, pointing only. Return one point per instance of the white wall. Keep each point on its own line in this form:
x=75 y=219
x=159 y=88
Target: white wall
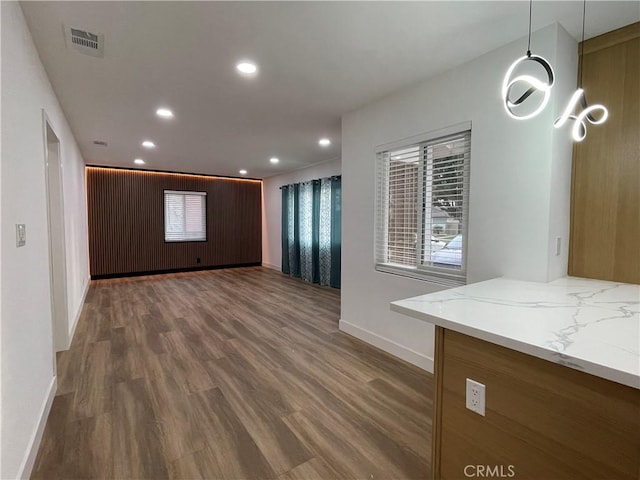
x=27 y=346
x=272 y=206
x=519 y=187
x=76 y=227
x=1 y=427
x=565 y=67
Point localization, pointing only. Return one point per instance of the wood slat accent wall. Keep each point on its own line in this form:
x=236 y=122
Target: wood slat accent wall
x=126 y=222
x=605 y=206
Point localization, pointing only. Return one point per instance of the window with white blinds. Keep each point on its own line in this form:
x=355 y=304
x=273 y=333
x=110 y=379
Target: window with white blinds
x=185 y=216
x=422 y=205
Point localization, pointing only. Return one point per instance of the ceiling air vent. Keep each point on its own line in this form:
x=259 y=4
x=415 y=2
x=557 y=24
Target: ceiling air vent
x=86 y=42
x=100 y=143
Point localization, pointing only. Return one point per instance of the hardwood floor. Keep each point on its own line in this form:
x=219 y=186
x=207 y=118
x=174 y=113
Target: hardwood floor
x=230 y=374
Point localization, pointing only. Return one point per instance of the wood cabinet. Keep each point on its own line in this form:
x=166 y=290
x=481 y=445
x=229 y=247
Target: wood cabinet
x=542 y=421
x=605 y=204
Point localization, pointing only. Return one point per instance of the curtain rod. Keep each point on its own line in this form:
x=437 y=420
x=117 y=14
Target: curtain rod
x=333 y=177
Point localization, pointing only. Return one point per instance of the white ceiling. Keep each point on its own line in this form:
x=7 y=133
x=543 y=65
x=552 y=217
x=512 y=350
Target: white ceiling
x=317 y=60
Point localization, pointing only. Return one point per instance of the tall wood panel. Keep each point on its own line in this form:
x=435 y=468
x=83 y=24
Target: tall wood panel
x=126 y=222
x=605 y=210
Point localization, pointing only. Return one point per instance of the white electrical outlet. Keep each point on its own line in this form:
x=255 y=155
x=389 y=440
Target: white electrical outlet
x=475 y=396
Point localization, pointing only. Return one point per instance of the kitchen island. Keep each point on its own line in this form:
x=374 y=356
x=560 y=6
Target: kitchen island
x=560 y=363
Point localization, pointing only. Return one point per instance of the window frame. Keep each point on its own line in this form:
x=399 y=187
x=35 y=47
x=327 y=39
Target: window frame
x=185 y=193
x=432 y=273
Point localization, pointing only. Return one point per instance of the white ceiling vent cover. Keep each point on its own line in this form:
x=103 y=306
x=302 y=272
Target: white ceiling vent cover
x=86 y=42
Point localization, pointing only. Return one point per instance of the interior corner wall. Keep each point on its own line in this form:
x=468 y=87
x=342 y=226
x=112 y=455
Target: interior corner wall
x=272 y=207
x=27 y=355
x=75 y=220
x=565 y=68
x=513 y=171
x=1 y=428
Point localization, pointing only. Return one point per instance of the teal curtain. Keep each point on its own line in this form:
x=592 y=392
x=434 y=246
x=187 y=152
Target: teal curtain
x=336 y=231
x=290 y=231
x=311 y=230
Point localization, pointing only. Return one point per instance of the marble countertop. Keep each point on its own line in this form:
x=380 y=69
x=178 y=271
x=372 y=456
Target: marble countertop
x=588 y=325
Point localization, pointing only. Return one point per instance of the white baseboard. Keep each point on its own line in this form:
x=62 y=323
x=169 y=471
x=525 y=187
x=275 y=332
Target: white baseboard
x=72 y=330
x=389 y=346
x=271 y=266
x=34 y=443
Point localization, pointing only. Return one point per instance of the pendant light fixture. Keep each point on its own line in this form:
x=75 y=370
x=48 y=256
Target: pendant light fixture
x=535 y=84
x=579 y=130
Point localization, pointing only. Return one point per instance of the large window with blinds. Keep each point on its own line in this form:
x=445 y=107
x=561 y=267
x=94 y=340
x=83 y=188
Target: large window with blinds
x=185 y=216
x=422 y=205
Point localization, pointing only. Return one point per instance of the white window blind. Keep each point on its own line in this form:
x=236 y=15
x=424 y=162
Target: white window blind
x=421 y=208
x=185 y=216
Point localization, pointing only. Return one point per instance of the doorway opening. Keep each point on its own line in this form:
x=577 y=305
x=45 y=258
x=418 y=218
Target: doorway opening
x=55 y=223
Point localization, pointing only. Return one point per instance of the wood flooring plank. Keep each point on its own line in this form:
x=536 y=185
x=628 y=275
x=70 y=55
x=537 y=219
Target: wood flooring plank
x=267 y=350
x=366 y=405
x=227 y=375
x=382 y=456
x=264 y=395
x=396 y=453
x=136 y=444
x=269 y=373
x=343 y=456
x=176 y=414
x=216 y=319
x=94 y=389
x=314 y=469
x=125 y=360
x=68 y=369
x=280 y=446
x=381 y=364
x=50 y=459
x=200 y=337
x=147 y=341
x=187 y=369
x=232 y=452
x=307 y=343
x=86 y=454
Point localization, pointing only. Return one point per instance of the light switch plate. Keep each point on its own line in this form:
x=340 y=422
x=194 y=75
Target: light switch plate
x=21 y=234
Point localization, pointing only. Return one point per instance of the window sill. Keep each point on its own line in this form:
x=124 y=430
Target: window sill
x=425 y=276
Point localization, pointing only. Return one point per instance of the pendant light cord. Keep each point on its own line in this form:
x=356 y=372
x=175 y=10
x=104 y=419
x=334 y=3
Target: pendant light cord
x=529 y=42
x=584 y=12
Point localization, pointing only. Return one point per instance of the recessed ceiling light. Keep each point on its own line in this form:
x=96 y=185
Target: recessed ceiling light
x=139 y=161
x=324 y=142
x=247 y=68
x=164 y=113
x=274 y=160
x=243 y=172
x=148 y=144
